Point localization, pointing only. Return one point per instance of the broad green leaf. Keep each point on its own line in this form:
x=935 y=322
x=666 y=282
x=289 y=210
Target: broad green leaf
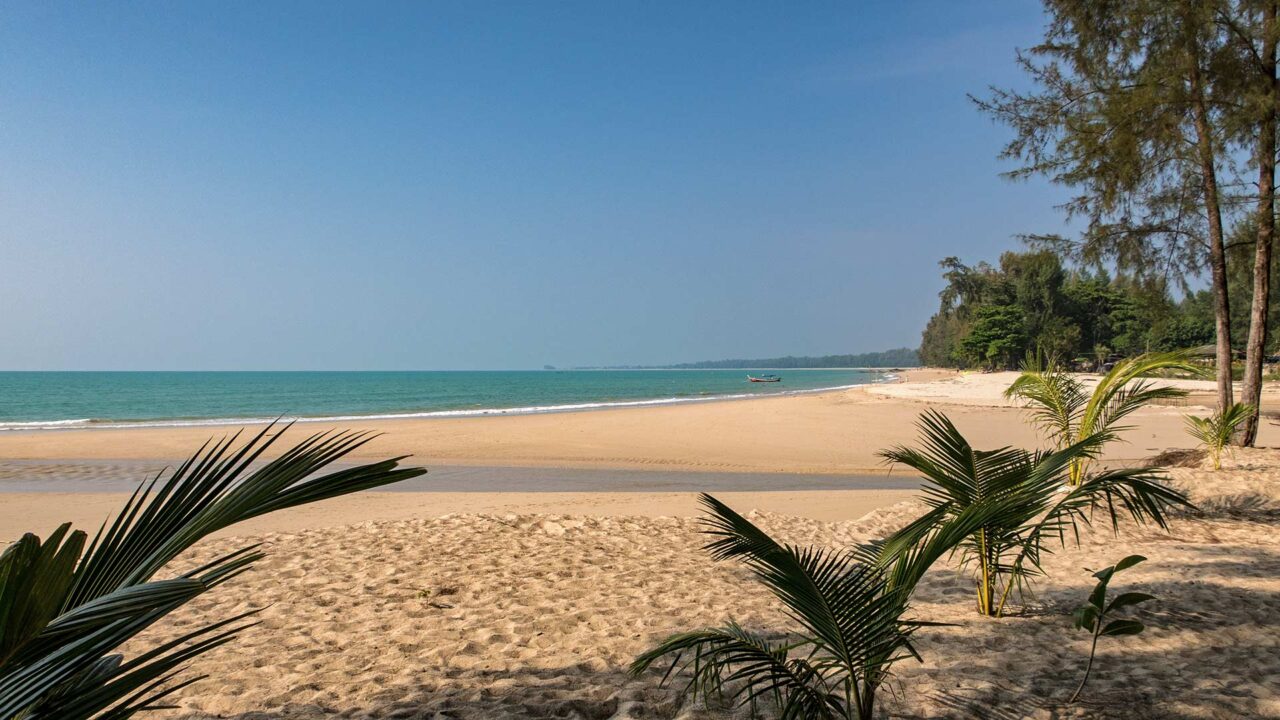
x=64 y=609
x=1127 y=599
x=1098 y=597
x=1086 y=617
x=1129 y=562
x=1123 y=627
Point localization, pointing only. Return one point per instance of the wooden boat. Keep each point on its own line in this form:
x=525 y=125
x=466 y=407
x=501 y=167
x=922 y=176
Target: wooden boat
x=764 y=378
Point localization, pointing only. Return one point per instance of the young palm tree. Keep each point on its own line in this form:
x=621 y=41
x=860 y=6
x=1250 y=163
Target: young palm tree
x=1068 y=414
x=850 y=612
x=64 y=609
x=1030 y=498
x=1215 y=432
x=1100 y=354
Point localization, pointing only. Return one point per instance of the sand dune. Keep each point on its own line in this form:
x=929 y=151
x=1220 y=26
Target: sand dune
x=532 y=616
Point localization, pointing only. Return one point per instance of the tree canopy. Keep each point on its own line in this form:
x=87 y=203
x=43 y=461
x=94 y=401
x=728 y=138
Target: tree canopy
x=993 y=316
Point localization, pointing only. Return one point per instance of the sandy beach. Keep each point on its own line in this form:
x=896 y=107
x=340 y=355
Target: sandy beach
x=830 y=433
x=514 y=603
x=524 y=615
x=838 y=431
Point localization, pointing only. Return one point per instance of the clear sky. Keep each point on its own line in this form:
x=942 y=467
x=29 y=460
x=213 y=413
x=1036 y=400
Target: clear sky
x=493 y=185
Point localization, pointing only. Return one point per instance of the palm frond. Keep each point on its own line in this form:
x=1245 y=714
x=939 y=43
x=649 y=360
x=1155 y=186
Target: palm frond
x=215 y=489
x=1016 y=498
x=64 y=609
x=746 y=668
x=836 y=598
x=1215 y=432
x=850 y=619
x=72 y=656
x=1055 y=399
x=1122 y=390
x=955 y=472
x=1067 y=414
x=1138 y=493
x=1126 y=400
x=34 y=577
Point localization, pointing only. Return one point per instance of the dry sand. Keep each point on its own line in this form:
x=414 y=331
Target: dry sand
x=535 y=616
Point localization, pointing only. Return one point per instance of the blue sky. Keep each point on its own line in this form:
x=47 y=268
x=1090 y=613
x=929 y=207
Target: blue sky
x=484 y=185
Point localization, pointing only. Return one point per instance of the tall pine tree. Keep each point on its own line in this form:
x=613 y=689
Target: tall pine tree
x=1129 y=110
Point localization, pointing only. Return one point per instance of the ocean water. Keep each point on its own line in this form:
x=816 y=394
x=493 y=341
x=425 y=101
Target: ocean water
x=53 y=400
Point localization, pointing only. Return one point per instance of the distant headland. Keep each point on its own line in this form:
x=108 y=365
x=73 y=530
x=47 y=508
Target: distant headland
x=898 y=357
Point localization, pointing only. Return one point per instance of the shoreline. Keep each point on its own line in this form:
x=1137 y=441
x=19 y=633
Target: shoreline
x=89 y=476
x=97 y=424
x=829 y=432
x=813 y=455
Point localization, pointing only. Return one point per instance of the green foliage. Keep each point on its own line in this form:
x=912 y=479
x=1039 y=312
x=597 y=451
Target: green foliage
x=991 y=316
x=1023 y=502
x=850 y=611
x=1094 y=615
x=1068 y=414
x=65 y=608
x=1191 y=326
x=1240 y=261
x=1127 y=102
x=940 y=341
x=996 y=336
x=1215 y=432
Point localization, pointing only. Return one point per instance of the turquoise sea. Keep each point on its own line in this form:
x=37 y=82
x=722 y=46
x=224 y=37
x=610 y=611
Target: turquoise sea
x=52 y=400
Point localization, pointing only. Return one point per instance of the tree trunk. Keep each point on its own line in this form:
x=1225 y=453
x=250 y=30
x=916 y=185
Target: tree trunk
x=1255 y=351
x=1217 y=255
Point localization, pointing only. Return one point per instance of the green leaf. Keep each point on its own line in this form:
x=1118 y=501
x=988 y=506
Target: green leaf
x=1122 y=627
x=841 y=603
x=65 y=610
x=1021 y=496
x=1104 y=575
x=848 y=605
x=746 y=667
x=214 y=489
x=1215 y=432
x=1085 y=618
x=1127 y=599
x=1129 y=562
x=34 y=578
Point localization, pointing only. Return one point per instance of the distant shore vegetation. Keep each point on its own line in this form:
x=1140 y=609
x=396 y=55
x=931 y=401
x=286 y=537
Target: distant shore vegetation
x=993 y=316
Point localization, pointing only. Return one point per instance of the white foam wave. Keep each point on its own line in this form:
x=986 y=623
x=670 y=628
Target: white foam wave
x=476 y=412
x=41 y=424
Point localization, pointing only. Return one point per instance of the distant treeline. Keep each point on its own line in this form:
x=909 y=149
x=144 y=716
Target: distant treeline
x=899 y=357
x=994 y=315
